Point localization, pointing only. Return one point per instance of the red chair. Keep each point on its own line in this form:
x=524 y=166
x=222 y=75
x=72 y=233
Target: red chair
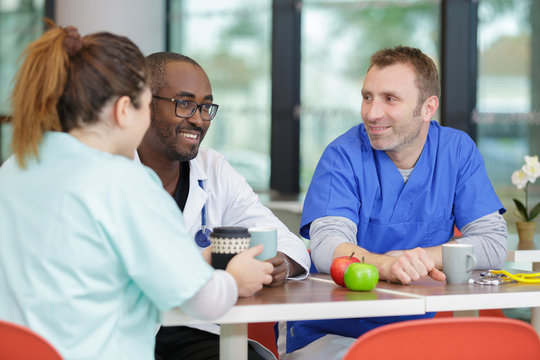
x=20 y=343
x=488 y=312
x=449 y=339
x=263 y=333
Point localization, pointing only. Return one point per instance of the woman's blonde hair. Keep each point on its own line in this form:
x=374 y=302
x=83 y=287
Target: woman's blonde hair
x=65 y=80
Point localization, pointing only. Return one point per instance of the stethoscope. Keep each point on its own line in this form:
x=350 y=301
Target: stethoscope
x=202 y=238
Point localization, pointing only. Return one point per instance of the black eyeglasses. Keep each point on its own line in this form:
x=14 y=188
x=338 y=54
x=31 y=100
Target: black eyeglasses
x=186 y=108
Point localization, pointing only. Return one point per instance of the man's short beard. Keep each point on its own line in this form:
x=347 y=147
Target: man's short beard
x=173 y=155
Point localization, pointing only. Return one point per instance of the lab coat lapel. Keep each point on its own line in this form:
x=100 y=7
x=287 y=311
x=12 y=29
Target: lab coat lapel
x=196 y=198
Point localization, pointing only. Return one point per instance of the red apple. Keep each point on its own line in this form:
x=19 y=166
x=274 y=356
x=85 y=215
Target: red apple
x=338 y=267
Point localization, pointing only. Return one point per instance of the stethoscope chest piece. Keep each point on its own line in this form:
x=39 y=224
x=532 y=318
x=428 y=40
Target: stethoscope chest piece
x=202 y=238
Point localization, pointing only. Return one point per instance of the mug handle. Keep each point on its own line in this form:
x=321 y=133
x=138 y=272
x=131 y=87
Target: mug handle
x=472 y=263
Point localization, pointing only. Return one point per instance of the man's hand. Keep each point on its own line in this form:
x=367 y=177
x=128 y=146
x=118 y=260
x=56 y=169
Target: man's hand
x=250 y=274
x=409 y=265
x=281 y=268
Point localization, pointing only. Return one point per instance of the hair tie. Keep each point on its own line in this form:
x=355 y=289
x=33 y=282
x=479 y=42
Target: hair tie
x=73 y=41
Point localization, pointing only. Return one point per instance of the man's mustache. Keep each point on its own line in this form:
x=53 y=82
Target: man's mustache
x=180 y=128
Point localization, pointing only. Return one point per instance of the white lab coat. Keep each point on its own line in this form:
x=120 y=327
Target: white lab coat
x=230 y=201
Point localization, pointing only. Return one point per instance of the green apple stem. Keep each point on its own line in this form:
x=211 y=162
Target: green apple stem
x=363 y=260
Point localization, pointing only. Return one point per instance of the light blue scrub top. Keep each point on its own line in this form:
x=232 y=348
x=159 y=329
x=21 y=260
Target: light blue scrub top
x=91 y=248
x=448 y=185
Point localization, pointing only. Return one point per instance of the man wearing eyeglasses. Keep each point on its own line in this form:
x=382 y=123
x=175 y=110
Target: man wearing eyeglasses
x=207 y=189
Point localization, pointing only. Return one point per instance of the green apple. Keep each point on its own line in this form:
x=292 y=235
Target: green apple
x=361 y=276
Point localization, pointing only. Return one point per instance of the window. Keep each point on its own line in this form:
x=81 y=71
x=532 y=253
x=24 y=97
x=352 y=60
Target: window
x=20 y=23
x=338 y=38
x=231 y=40
x=507 y=115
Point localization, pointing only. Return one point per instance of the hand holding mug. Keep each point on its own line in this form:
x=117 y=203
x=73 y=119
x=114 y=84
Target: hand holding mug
x=250 y=274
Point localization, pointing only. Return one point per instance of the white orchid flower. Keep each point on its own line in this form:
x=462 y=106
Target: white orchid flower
x=531 y=168
x=532 y=160
x=520 y=179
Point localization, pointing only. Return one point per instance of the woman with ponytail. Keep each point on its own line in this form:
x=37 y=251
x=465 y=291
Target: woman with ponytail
x=91 y=248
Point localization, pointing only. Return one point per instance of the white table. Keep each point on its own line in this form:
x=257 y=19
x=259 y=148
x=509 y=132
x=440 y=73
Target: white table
x=521 y=257
x=313 y=298
x=319 y=298
x=467 y=299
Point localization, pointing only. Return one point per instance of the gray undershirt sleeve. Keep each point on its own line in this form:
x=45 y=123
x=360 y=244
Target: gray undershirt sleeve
x=326 y=234
x=489 y=236
x=217 y=296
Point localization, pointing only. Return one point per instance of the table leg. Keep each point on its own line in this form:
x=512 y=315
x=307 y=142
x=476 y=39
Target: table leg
x=233 y=342
x=535 y=311
x=535 y=319
x=462 y=313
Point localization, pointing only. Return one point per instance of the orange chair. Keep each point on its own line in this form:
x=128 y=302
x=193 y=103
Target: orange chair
x=449 y=339
x=487 y=312
x=263 y=333
x=20 y=343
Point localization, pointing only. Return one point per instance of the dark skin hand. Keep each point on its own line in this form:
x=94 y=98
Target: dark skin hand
x=280 y=269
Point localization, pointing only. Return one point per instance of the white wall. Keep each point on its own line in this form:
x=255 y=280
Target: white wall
x=143 y=21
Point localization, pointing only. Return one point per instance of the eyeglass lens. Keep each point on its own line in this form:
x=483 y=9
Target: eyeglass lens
x=188 y=108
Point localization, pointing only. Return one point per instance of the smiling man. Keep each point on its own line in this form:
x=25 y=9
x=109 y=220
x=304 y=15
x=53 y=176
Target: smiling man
x=206 y=188
x=390 y=190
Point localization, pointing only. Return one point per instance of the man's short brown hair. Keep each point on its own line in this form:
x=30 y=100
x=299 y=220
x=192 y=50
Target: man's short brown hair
x=427 y=76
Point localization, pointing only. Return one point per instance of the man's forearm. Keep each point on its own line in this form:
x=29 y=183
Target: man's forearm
x=335 y=236
x=326 y=235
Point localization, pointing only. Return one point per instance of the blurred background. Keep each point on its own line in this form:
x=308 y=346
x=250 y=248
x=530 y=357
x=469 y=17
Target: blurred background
x=287 y=74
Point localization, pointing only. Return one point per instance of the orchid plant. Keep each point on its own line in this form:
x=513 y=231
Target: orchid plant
x=521 y=179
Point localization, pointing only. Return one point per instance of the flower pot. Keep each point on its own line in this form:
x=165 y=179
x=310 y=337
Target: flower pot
x=526 y=234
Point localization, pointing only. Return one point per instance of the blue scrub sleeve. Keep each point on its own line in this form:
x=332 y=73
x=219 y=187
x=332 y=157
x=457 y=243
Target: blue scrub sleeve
x=333 y=190
x=475 y=196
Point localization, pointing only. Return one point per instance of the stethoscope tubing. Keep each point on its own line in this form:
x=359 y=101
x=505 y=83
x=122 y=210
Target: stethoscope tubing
x=202 y=238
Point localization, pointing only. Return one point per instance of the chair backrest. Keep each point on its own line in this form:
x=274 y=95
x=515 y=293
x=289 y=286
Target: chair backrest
x=264 y=334
x=449 y=338
x=20 y=343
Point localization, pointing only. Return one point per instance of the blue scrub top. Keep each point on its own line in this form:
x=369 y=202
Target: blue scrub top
x=448 y=185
